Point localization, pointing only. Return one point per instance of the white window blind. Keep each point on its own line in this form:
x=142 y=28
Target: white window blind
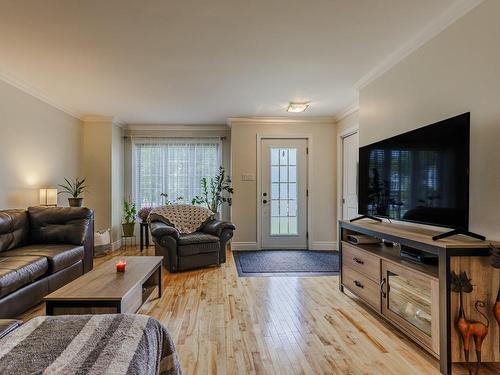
x=172 y=166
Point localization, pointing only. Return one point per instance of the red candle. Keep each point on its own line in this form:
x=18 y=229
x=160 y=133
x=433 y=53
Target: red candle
x=120 y=265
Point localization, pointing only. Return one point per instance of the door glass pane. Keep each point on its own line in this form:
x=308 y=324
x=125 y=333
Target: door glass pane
x=275 y=191
x=275 y=174
x=275 y=156
x=284 y=191
x=292 y=156
x=411 y=300
x=292 y=191
x=284 y=174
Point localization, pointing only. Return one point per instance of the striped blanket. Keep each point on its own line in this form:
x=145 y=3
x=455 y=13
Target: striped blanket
x=89 y=344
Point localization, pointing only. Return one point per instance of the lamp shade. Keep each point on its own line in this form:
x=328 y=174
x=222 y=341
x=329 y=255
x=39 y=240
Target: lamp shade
x=48 y=197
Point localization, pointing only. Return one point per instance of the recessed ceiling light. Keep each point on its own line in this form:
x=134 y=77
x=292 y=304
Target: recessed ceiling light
x=297 y=107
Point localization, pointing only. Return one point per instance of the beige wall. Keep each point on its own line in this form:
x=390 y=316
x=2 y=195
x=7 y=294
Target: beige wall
x=457 y=71
x=97 y=171
x=322 y=193
x=39 y=146
x=103 y=170
x=117 y=180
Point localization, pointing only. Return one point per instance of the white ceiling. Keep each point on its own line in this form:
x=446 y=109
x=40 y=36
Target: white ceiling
x=200 y=62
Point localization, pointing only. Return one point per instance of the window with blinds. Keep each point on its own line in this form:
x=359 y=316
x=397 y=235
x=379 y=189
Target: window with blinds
x=174 y=167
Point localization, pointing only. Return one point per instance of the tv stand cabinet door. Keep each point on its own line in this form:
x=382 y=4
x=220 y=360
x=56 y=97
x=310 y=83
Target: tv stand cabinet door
x=410 y=300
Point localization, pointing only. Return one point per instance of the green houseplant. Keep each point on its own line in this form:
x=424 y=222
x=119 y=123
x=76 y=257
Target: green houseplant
x=75 y=189
x=129 y=214
x=216 y=191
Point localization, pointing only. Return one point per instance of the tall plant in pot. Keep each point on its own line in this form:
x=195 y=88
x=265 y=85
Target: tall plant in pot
x=216 y=191
x=75 y=189
x=129 y=214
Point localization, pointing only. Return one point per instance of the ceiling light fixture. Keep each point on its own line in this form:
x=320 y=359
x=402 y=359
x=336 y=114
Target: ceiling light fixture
x=297 y=107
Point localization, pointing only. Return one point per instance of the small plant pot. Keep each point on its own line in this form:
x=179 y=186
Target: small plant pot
x=75 y=202
x=128 y=229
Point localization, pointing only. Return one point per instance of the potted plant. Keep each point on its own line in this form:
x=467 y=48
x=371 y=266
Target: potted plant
x=168 y=202
x=75 y=189
x=216 y=191
x=129 y=214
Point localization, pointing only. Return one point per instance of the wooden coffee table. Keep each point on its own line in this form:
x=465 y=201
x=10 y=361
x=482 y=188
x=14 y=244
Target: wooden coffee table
x=105 y=291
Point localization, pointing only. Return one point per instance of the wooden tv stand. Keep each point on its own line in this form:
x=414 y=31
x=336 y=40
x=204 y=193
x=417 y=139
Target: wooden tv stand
x=415 y=297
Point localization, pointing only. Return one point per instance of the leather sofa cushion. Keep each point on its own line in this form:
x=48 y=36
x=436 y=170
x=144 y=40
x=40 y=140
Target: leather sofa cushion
x=18 y=271
x=198 y=248
x=14 y=229
x=59 y=256
x=66 y=225
x=197 y=237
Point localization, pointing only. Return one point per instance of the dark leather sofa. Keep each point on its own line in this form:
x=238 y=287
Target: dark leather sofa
x=42 y=249
x=205 y=247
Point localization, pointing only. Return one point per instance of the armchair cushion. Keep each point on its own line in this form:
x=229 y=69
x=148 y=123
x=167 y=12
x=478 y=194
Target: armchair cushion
x=197 y=237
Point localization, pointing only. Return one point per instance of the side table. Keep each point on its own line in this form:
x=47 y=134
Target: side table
x=144 y=235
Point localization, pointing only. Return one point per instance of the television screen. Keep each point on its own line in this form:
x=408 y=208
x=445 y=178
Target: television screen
x=421 y=176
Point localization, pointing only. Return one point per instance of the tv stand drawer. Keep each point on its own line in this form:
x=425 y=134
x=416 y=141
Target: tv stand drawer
x=366 y=289
x=361 y=261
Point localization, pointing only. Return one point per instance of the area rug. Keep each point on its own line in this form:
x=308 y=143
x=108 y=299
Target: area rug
x=286 y=263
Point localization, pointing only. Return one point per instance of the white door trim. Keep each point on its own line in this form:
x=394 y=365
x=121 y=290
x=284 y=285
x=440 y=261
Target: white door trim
x=310 y=185
x=340 y=163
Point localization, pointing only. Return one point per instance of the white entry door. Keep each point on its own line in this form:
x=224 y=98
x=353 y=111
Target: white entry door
x=284 y=193
x=350 y=176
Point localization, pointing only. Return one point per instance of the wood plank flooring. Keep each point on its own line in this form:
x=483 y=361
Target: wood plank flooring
x=224 y=324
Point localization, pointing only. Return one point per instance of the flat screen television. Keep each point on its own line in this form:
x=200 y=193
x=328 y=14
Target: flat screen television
x=421 y=176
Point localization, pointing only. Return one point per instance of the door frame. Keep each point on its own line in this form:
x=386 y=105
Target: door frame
x=340 y=167
x=310 y=186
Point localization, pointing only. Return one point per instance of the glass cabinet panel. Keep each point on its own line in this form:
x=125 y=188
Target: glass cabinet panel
x=410 y=298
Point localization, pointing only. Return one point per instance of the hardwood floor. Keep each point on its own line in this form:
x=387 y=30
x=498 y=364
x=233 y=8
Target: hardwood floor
x=223 y=324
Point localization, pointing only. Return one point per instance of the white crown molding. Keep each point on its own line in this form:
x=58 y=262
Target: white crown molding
x=24 y=87
x=167 y=127
x=279 y=120
x=455 y=12
x=354 y=107
x=97 y=118
x=104 y=119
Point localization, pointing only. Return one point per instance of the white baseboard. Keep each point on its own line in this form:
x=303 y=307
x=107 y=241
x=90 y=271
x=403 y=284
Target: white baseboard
x=316 y=245
x=238 y=246
x=324 y=245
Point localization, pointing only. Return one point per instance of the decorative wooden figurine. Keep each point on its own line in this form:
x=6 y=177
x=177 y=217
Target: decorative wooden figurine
x=495 y=263
x=469 y=328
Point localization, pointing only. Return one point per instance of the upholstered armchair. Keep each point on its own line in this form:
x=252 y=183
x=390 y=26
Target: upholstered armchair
x=206 y=246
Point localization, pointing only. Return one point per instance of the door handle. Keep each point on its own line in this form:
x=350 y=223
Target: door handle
x=358 y=284
x=265 y=194
x=357 y=260
x=264 y=201
x=382 y=283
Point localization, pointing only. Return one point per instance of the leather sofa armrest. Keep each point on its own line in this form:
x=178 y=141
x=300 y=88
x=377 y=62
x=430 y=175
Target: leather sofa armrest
x=159 y=229
x=8 y=325
x=216 y=227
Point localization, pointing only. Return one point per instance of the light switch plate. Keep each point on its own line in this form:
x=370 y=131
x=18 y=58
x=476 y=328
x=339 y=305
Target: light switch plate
x=247 y=177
